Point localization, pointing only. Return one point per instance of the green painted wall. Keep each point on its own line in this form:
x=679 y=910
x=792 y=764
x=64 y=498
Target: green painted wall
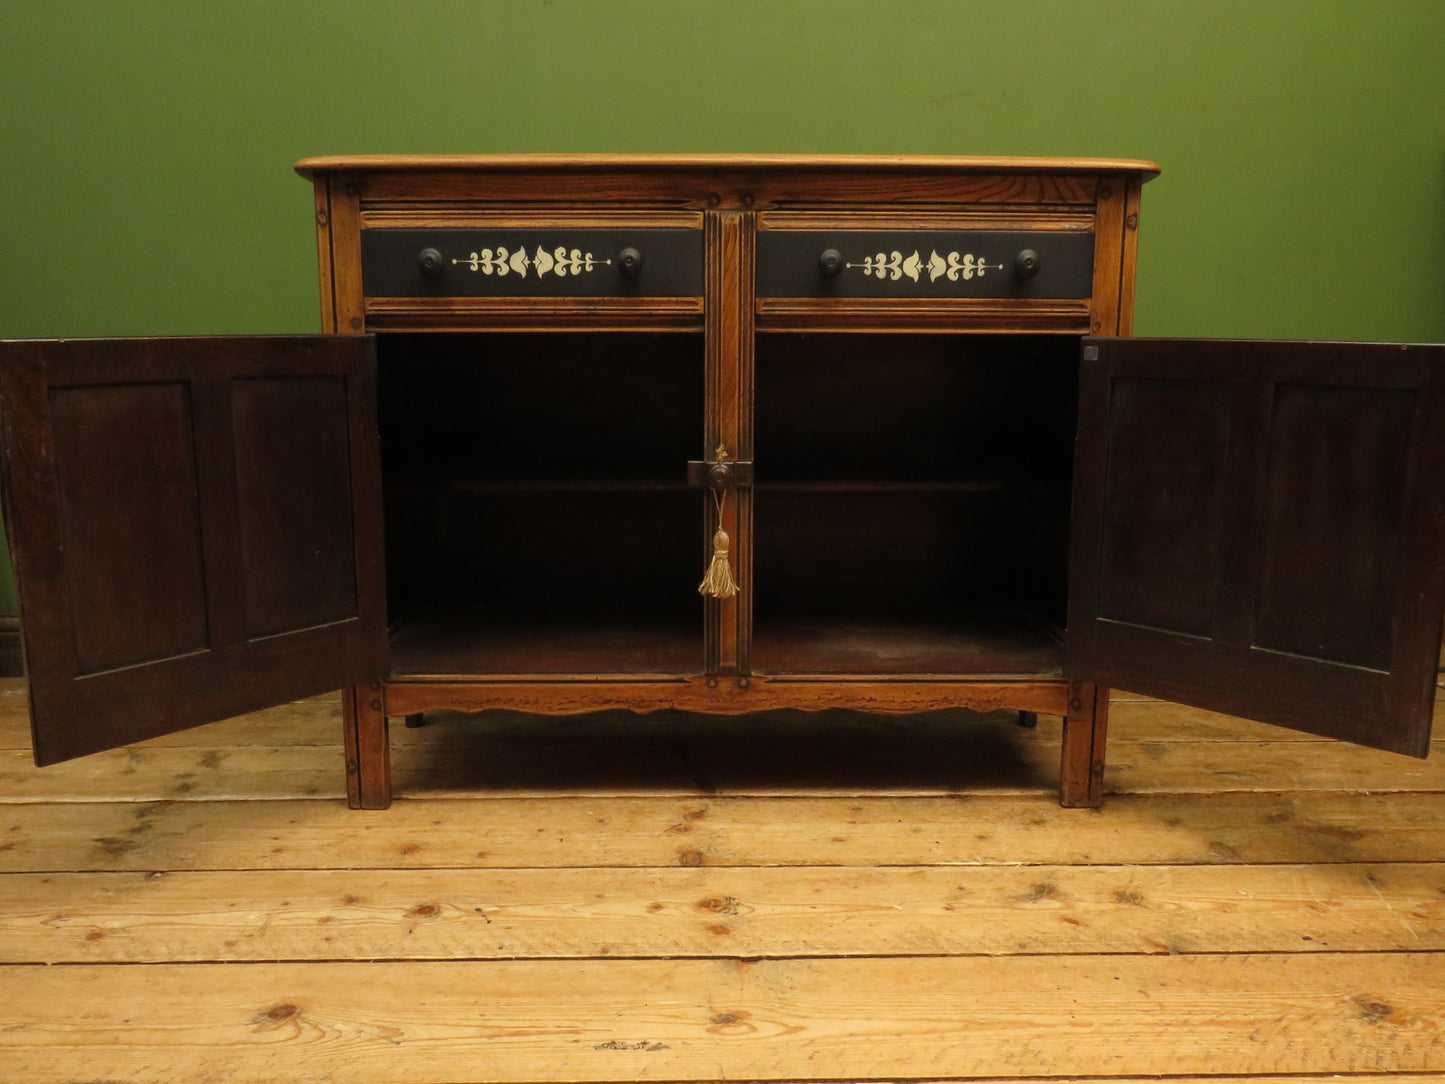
x=146 y=146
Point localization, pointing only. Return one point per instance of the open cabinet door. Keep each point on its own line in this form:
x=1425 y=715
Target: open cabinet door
x=196 y=529
x=1259 y=529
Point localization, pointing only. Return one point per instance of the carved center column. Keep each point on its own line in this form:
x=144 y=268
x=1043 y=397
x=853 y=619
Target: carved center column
x=730 y=239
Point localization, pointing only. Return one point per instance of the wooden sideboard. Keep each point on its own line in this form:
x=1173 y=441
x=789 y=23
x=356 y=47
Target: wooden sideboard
x=894 y=398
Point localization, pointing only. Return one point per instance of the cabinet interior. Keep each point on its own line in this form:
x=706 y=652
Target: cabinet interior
x=910 y=510
x=537 y=513
x=912 y=502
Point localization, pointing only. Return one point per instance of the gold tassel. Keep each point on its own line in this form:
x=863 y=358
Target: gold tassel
x=719 y=582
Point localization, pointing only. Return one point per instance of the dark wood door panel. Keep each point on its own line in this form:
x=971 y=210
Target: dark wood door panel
x=131 y=529
x=1163 y=528
x=1336 y=488
x=293 y=477
x=1257 y=529
x=196 y=529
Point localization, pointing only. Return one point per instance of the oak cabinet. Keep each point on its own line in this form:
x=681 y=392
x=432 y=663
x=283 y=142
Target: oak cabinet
x=903 y=390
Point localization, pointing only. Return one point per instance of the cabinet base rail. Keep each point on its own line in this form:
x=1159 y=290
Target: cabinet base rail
x=366 y=710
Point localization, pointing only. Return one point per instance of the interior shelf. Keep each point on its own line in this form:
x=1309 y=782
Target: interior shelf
x=557 y=407
x=910 y=512
x=998 y=642
x=940 y=408
x=912 y=504
x=416 y=485
x=889 y=485
x=537 y=509
x=456 y=643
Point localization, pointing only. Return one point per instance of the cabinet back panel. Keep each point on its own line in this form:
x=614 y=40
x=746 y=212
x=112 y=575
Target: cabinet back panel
x=913 y=407
x=564 y=406
x=876 y=552
x=905 y=476
x=534 y=555
x=905 y=554
x=542 y=477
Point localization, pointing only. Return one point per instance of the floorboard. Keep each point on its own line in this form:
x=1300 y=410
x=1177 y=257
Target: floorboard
x=566 y=832
x=431 y=914
x=786 y=897
x=671 y=1020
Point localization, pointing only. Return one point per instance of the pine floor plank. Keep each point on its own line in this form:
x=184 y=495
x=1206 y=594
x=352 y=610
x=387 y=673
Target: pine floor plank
x=293 y=752
x=317 y=721
x=993 y=762
x=686 y=765
x=573 y=832
x=673 y=1020
x=805 y=897
x=162 y=773
x=755 y=913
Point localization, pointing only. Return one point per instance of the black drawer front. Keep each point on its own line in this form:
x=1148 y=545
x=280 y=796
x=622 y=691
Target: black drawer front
x=532 y=263
x=924 y=263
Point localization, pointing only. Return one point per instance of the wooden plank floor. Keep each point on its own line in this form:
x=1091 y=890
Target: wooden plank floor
x=669 y=898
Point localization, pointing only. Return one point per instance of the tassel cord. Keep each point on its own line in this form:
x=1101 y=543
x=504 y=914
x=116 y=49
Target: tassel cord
x=719 y=582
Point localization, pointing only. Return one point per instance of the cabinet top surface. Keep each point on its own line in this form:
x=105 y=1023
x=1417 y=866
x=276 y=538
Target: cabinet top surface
x=726 y=162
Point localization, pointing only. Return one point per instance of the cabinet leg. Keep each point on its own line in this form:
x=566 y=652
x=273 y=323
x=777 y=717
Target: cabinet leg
x=1081 y=775
x=368 y=751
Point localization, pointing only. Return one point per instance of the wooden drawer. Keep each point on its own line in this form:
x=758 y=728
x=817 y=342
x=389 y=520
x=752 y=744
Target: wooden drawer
x=919 y=271
x=542 y=262
x=925 y=263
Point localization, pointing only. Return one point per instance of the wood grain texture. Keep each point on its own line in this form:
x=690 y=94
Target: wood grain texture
x=586 y=162
x=713 y=756
x=1109 y=253
x=706 y=1019
x=573 y=831
x=321 y=193
x=973 y=935
x=317 y=721
x=347 y=293
x=728 y=349
x=1086 y=732
x=730 y=696
x=1129 y=273
x=723 y=181
x=729 y=195
x=1356 y=662
x=109 y=663
x=724 y=189
x=882 y=315
x=961 y=218
x=368 y=747
x=463 y=216
x=156 y=917
x=549 y=314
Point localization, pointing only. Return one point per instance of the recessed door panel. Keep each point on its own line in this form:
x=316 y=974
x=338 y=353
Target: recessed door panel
x=293 y=480
x=131 y=530
x=196 y=529
x=1257 y=529
x=1337 y=484
x=1163 y=526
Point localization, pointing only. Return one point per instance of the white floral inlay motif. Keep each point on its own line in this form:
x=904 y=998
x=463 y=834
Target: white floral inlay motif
x=893 y=266
x=560 y=261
